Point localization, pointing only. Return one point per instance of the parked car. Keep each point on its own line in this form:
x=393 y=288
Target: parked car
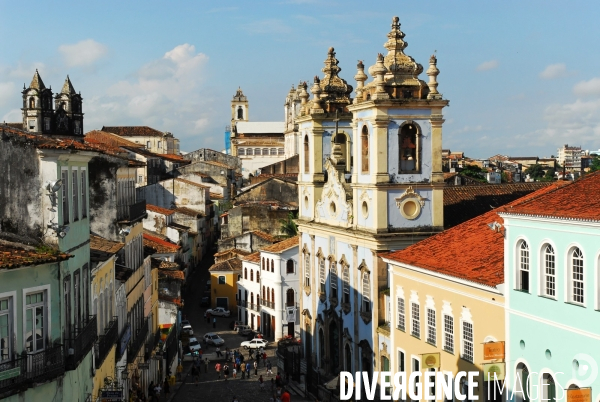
x=213 y=339
x=186 y=327
x=234 y=324
x=194 y=345
x=218 y=312
x=254 y=344
x=243 y=330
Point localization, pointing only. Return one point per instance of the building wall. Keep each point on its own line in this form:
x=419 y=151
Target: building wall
x=103 y=293
x=107 y=369
x=168 y=192
x=271 y=190
x=228 y=289
x=463 y=301
x=539 y=326
x=253 y=287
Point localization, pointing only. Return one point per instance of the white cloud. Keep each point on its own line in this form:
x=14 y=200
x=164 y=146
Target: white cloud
x=587 y=88
x=83 y=53
x=166 y=94
x=577 y=123
x=488 y=65
x=553 y=71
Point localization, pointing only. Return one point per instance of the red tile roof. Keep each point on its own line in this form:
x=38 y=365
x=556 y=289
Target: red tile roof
x=577 y=200
x=174 y=158
x=160 y=210
x=470 y=251
x=254 y=257
x=173 y=274
x=47 y=141
x=264 y=236
x=232 y=251
x=232 y=264
x=283 y=245
x=14 y=256
x=133 y=131
x=111 y=139
x=161 y=246
x=188 y=211
x=98 y=243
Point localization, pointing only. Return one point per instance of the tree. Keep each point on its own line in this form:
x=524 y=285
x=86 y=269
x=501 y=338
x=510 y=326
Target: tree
x=288 y=226
x=549 y=176
x=595 y=165
x=474 y=172
x=535 y=172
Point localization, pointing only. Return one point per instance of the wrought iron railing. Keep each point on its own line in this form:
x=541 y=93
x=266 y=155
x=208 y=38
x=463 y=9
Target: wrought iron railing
x=267 y=303
x=19 y=374
x=242 y=303
x=151 y=342
x=106 y=341
x=138 y=340
x=82 y=342
x=131 y=212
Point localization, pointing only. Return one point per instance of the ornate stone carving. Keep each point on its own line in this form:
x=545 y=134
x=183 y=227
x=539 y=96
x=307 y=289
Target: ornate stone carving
x=410 y=203
x=410 y=193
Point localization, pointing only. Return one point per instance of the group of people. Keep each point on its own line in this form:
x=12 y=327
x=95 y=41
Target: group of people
x=154 y=391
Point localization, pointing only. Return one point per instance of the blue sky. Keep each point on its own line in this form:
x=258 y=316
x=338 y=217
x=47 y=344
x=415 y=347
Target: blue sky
x=522 y=78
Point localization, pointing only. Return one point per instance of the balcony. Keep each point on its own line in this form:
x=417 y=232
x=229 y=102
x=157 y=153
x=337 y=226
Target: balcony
x=22 y=373
x=82 y=342
x=152 y=342
x=106 y=341
x=138 y=340
x=268 y=304
x=131 y=212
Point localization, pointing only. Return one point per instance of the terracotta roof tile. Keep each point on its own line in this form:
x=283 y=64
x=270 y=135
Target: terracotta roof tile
x=111 y=139
x=134 y=131
x=462 y=203
x=233 y=265
x=254 y=257
x=219 y=164
x=98 y=243
x=158 y=263
x=174 y=158
x=173 y=274
x=160 y=210
x=575 y=200
x=161 y=246
x=470 y=251
x=283 y=245
x=235 y=251
x=49 y=142
x=264 y=236
x=13 y=255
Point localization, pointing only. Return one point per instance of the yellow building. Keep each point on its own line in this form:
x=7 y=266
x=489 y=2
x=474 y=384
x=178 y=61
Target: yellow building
x=102 y=255
x=446 y=303
x=223 y=280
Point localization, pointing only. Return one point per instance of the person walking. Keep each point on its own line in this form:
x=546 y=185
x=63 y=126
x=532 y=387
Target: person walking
x=218 y=369
x=195 y=374
x=243 y=369
x=205 y=365
x=285 y=396
x=208 y=318
x=226 y=371
x=234 y=370
x=269 y=368
x=214 y=322
x=166 y=388
x=219 y=352
x=255 y=367
x=264 y=356
x=248 y=368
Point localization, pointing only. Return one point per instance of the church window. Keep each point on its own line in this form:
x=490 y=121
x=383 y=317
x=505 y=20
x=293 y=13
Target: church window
x=32 y=103
x=306 y=160
x=47 y=124
x=31 y=124
x=77 y=127
x=366 y=293
x=307 y=269
x=346 y=281
x=409 y=147
x=257 y=151
x=273 y=151
x=265 y=151
x=364 y=139
x=249 y=152
x=240 y=113
x=333 y=280
x=322 y=275
x=242 y=152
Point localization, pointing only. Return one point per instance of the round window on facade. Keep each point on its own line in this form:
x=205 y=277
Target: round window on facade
x=365 y=209
x=410 y=208
x=332 y=208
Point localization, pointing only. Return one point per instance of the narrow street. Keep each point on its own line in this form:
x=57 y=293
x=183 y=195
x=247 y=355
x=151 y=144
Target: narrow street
x=210 y=387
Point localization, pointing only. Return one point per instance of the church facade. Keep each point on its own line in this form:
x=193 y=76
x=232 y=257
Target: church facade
x=370 y=181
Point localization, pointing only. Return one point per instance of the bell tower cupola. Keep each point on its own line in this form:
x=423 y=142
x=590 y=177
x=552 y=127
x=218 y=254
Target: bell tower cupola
x=37 y=106
x=239 y=107
x=69 y=114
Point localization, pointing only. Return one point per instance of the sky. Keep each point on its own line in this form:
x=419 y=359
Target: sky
x=522 y=78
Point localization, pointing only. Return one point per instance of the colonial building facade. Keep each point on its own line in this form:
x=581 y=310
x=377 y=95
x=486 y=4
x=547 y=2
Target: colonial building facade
x=370 y=181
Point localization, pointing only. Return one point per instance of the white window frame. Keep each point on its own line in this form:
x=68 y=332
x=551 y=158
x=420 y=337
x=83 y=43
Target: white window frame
x=366 y=292
x=75 y=192
x=448 y=337
x=523 y=265
x=401 y=313
x=322 y=280
x=576 y=285
x=415 y=323
x=548 y=270
x=464 y=346
x=83 y=184
x=400 y=360
x=431 y=326
x=346 y=282
x=333 y=279
x=65 y=202
x=242 y=152
x=11 y=297
x=307 y=269
x=47 y=313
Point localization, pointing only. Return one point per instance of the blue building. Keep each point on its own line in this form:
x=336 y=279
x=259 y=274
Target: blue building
x=552 y=290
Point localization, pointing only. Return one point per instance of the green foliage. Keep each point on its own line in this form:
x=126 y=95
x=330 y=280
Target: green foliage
x=595 y=165
x=474 y=172
x=46 y=249
x=288 y=226
x=504 y=177
x=536 y=172
x=549 y=176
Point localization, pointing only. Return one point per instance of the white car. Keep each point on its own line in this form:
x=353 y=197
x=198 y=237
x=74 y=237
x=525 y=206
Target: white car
x=213 y=339
x=194 y=345
x=186 y=327
x=218 y=312
x=256 y=343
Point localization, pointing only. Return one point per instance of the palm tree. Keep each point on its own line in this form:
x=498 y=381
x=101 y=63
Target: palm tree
x=288 y=226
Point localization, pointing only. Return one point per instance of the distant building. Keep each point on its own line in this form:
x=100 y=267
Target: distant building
x=154 y=140
x=570 y=157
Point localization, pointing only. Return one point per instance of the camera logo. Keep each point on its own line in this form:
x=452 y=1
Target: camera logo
x=585 y=370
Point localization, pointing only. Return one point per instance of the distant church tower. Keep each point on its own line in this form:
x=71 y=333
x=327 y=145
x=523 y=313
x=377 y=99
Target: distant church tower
x=37 y=107
x=239 y=108
x=69 y=115
x=292 y=110
x=370 y=181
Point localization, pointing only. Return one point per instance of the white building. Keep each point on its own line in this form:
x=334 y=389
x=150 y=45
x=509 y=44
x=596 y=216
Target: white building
x=268 y=290
x=570 y=157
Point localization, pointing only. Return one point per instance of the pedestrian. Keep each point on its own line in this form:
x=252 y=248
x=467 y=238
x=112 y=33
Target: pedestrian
x=179 y=371
x=243 y=369
x=226 y=371
x=205 y=365
x=278 y=380
x=248 y=368
x=264 y=356
x=214 y=322
x=195 y=374
x=157 y=390
x=166 y=388
x=234 y=371
x=219 y=352
x=269 y=368
x=285 y=396
x=218 y=369
x=255 y=368
x=262 y=383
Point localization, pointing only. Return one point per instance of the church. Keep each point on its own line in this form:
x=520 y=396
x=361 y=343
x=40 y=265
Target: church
x=370 y=181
